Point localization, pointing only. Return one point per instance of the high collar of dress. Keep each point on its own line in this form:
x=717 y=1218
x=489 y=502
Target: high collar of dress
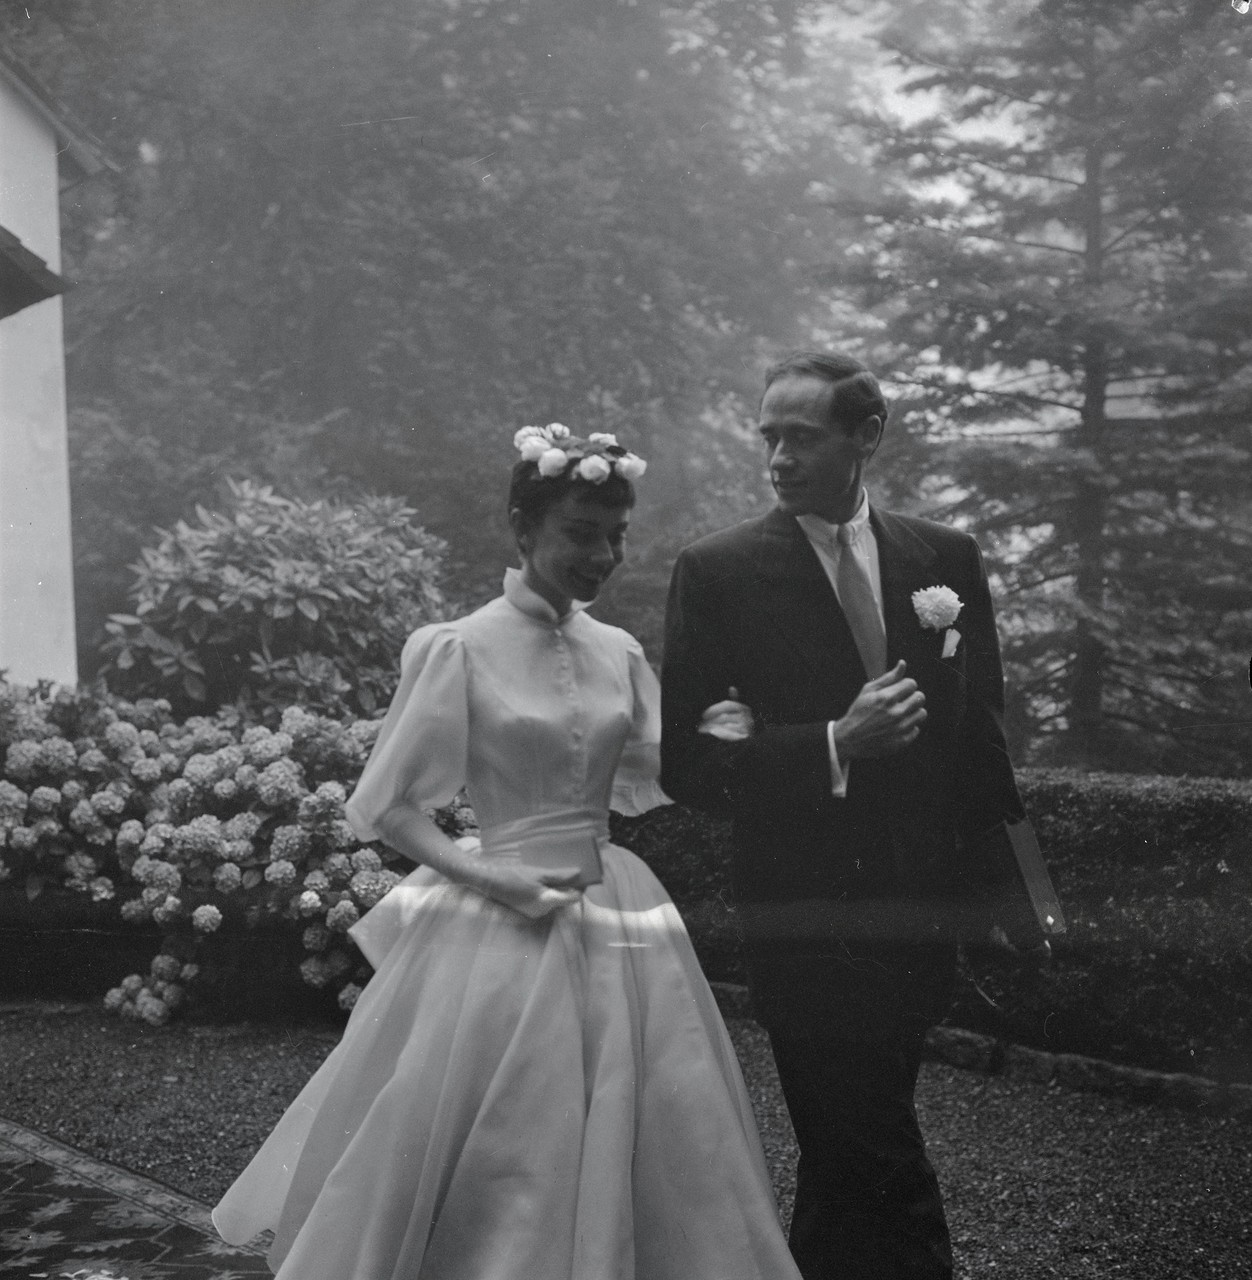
x=532 y=604
x=828 y=533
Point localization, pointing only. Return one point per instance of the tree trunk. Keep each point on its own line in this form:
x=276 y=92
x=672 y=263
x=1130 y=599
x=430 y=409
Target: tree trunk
x=1090 y=501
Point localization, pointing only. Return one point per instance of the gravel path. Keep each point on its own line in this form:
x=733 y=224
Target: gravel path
x=1039 y=1182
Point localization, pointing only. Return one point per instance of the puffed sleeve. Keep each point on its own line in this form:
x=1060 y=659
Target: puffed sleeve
x=419 y=757
x=635 y=785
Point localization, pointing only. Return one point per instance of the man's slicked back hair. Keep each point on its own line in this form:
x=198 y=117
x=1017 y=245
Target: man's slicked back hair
x=856 y=393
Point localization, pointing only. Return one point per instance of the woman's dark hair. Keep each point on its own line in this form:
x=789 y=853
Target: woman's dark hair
x=534 y=495
x=856 y=393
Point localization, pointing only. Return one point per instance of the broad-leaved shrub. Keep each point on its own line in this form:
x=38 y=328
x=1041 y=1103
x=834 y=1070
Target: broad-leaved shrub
x=275 y=602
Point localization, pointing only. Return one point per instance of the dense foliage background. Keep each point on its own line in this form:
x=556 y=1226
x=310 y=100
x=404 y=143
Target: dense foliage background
x=353 y=244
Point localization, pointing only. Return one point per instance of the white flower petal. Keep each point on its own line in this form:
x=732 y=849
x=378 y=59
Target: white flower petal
x=552 y=462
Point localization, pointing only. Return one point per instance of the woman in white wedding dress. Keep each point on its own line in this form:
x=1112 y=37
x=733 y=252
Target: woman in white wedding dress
x=536 y=1084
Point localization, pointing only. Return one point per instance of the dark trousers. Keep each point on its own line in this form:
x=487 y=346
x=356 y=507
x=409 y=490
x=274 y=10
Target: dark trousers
x=867 y=1201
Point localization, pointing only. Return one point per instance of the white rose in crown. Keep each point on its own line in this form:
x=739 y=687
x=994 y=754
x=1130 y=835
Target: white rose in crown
x=594 y=468
x=553 y=461
x=936 y=607
x=555 y=448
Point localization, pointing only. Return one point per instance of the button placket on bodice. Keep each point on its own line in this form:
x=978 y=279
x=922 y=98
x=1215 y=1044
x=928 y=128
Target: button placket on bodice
x=575 y=709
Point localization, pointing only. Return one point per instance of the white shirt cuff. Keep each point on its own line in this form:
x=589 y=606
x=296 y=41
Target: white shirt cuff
x=838 y=774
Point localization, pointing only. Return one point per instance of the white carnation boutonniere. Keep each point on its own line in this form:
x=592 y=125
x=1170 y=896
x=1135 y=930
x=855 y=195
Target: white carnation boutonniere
x=937 y=608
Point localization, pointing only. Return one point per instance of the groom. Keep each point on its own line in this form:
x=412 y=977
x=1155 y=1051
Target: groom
x=876 y=753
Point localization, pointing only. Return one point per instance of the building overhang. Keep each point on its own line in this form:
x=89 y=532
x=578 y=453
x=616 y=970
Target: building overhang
x=25 y=278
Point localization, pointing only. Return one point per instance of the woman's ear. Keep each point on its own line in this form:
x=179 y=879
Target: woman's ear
x=521 y=530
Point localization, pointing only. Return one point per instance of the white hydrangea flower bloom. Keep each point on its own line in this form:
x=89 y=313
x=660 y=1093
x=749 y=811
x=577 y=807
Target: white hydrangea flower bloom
x=167 y=910
x=227 y=877
x=206 y=918
x=936 y=607
x=314 y=972
x=316 y=937
x=153 y=1011
x=342 y=916
x=165 y=967
x=281 y=872
x=606 y=438
x=557 y=431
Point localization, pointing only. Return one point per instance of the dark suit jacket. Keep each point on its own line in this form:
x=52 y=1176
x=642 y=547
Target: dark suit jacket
x=846 y=901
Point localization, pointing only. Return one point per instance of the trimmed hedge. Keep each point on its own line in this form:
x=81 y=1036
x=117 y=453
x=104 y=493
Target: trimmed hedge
x=1155 y=875
x=221 y=846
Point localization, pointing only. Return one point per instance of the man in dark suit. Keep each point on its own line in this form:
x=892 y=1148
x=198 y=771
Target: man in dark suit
x=874 y=755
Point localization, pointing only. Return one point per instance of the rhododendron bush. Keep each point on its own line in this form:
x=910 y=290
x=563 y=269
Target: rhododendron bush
x=197 y=825
x=274 y=601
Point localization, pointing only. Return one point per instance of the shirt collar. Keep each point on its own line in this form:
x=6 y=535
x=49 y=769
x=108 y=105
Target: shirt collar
x=826 y=532
x=531 y=603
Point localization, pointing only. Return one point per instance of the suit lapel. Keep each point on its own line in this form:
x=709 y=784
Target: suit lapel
x=795 y=592
x=904 y=565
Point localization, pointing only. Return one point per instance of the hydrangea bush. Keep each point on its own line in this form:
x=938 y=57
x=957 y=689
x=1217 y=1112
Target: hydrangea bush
x=194 y=825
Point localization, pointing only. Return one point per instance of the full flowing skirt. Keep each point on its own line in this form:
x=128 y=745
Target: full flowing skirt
x=521 y=1100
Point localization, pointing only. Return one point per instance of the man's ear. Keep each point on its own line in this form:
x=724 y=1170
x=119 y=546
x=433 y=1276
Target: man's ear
x=869 y=436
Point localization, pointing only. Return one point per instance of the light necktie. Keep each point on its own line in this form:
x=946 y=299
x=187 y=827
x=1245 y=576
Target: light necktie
x=856 y=598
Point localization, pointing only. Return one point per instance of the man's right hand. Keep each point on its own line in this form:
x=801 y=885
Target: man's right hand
x=884 y=717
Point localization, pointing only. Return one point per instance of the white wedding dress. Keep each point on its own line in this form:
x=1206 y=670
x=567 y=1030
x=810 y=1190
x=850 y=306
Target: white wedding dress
x=515 y=1099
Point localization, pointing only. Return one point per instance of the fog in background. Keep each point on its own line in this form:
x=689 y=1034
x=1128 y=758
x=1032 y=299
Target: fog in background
x=353 y=245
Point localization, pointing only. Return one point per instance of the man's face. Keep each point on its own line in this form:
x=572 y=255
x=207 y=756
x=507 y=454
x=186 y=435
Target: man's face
x=815 y=464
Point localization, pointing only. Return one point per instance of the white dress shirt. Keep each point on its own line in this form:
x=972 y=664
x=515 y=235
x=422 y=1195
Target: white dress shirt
x=824 y=538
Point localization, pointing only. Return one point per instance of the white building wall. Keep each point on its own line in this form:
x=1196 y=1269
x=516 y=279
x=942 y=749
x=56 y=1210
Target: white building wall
x=36 y=566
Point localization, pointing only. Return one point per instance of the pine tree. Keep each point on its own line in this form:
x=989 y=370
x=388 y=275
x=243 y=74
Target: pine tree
x=1060 y=254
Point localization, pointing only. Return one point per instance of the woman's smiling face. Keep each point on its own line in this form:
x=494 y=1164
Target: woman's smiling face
x=571 y=552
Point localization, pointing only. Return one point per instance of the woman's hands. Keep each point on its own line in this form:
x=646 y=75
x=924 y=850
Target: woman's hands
x=729 y=720
x=533 y=893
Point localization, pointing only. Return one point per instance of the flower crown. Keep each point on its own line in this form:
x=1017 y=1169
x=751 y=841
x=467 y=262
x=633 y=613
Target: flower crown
x=554 y=449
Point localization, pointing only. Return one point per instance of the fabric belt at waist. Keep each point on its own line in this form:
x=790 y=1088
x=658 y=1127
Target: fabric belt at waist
x=553 y=841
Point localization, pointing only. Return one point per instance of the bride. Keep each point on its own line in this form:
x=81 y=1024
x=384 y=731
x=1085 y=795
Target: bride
x=536 y=1084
